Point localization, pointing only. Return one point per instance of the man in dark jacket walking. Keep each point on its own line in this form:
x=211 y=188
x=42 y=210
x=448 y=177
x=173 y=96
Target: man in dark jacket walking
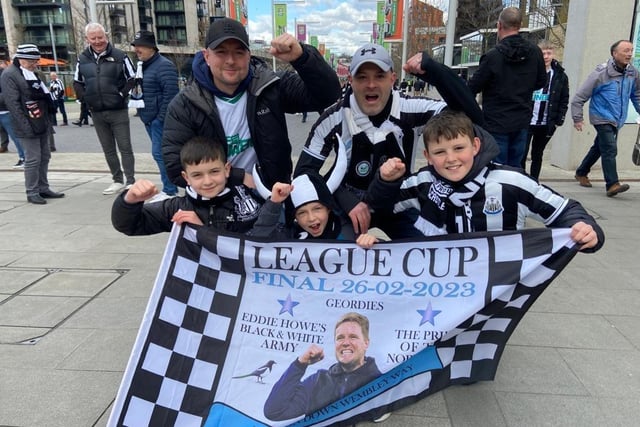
x=507 y=76
x=104 y=75
x=550 y=105
x=238 y=98
x=159 y=86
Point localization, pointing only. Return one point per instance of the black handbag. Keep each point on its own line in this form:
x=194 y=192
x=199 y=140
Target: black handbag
x=635 y=155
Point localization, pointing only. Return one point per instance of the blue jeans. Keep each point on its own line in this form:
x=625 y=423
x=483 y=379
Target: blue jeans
x=5 y=121
x=112 y=128
x=154 y=129
x=60 y=107
x=605 y=145
x=512 y=147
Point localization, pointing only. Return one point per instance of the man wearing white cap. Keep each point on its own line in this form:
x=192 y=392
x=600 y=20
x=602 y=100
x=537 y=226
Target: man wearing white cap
x=28 y=101
x=377 y=122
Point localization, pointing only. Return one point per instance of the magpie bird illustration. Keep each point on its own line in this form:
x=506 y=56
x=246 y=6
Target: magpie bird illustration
x=260 y=372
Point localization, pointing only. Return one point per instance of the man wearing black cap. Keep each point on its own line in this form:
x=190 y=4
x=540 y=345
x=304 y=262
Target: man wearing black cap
x=237 y=98
x=378 y=122
x=28 y=101
x=159 y=86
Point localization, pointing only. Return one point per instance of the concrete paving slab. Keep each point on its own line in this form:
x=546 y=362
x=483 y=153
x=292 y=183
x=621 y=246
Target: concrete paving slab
x=15 y=280
x=46 y=353
x=620 y=411
x=9 y=257
x=536 y=370
x=103 y=350
x=109 y=313
x=400 y=420
x=590 y=300
x=39 y=311
x=18 y=334
x=70 y=260
x=627 y=326
x=473 y=405
x=55 y=398
x=134 y=283
x=577 y=331
x=72 y=283
x=531 y=409
x=607 y=373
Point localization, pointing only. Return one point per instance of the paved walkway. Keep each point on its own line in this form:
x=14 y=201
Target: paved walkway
x=73 y=291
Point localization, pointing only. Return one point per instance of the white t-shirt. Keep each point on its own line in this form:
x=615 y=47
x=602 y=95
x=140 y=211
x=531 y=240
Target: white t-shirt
x=233 y=114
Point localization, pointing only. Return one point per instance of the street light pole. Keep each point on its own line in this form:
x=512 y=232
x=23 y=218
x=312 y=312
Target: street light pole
x=451 y=32
x=53 y=46
x=405 y=35
x=273 y=19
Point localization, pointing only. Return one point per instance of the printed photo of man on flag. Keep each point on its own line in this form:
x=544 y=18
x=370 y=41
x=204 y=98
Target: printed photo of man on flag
x=290 y=397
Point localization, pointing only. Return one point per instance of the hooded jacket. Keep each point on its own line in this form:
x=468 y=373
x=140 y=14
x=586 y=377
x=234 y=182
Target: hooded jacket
x=193 y=111
x=507 y=76
x=290 y=397
x=492 y=197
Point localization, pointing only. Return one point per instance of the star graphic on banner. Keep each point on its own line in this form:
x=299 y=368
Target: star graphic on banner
x=428 y=315
x=287 y=305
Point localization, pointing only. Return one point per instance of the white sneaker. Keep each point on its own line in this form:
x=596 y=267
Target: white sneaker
x=382 y=418
x=114 y=188
x=159 y=197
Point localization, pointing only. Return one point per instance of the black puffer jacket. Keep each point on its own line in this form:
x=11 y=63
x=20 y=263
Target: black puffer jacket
x=235 y=211
x=507 y=76
x=101 y=83
x=193 y=111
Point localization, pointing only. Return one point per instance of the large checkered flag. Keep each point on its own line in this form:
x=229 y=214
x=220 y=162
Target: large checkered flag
x=187 y=325
x=175 y=369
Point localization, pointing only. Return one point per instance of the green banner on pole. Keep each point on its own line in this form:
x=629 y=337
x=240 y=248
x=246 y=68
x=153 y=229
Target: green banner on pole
x=280 y=19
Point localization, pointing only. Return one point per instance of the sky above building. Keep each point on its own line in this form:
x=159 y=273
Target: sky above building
x=342 y=26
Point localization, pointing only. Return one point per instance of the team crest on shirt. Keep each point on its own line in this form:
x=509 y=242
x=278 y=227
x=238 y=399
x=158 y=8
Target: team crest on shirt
x=247 y=207
x=492 y=206
x=363 y=168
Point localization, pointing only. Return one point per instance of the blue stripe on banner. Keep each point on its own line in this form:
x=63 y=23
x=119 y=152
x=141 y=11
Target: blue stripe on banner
x=424 y=361
x=223 y=415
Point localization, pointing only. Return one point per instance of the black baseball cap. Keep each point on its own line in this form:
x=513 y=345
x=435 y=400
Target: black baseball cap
x=224 y=29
